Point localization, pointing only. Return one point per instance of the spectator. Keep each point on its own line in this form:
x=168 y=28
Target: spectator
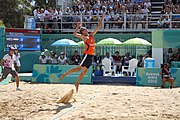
x=160 y=22
x=127 y=58
x=35 y=13
x=47 y=16
x=140 y=61
x=97 y=61
x=62 y=59
x=43 y=58
x=109 y=57
x=167 y=21
x=128 y=5
x=76 y=59
x=138 y=16
x=143 y=59
x=147 y=3
x=68 y=11
x=117 y=62
x=135 y=6
x=52 y=59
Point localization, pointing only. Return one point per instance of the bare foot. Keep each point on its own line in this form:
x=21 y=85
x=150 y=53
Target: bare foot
x=77 y=86
x=62 y=76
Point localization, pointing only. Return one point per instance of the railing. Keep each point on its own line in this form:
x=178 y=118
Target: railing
x=117 y=23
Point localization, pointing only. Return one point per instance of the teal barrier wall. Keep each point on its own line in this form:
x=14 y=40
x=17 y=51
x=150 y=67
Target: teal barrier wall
x=52 y=73
x=2 y=37
x=151 y=76
x=28 y=59
x=175 y=64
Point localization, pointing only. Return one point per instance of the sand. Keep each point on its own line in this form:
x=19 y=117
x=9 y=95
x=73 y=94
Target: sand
x=94 y=102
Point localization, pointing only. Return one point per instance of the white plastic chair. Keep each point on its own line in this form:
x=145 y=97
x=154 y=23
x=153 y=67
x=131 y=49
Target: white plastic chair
x=131 y=68
x=106 y=66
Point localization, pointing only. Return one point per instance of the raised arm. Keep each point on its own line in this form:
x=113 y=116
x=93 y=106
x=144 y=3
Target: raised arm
x=99 y=26
x=76 y=34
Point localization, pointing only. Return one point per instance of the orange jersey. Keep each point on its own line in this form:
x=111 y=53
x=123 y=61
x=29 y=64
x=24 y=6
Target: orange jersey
x=90 y=46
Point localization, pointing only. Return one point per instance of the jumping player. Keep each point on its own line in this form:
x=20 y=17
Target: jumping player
x=8 y=61
x=89 y=43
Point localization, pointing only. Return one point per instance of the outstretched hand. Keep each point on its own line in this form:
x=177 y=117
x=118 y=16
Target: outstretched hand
x=79 y=24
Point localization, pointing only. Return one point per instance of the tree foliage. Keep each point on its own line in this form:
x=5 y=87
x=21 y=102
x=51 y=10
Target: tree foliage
x=13 y=11
x=42 y=3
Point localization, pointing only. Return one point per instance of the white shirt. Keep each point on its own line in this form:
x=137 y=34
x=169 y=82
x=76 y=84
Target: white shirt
x=147 y=4
x=17 y=61
x=35 y=13
x=43 y=61
x=111 y=58
x=62 y=61
x=9 y=61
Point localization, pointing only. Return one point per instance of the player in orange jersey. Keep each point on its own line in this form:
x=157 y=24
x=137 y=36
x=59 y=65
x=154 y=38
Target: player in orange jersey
x=88 y=52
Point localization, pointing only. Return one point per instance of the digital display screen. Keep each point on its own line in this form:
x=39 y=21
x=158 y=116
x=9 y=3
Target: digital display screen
x=25 y=40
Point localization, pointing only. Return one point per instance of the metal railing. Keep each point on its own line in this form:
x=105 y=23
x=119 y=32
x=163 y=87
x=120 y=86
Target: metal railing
x=115 y=23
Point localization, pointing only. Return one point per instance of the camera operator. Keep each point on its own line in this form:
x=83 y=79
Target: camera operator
x=166 y=75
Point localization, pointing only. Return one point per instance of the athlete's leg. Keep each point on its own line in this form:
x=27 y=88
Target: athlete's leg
x=1 y=79
x=163 y=81
x=71 y=71
x=17 y=81
x=171 y=80
x=80 y=78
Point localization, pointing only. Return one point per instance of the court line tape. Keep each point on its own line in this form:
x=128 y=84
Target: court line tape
x=58 y=115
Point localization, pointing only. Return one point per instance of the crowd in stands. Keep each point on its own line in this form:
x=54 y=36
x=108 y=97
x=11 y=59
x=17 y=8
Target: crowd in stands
x=137 y=12
x=92 y=10
x=172 y=55
x=165 y=19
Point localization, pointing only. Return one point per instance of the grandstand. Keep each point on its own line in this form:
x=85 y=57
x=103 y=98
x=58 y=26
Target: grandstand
x=120 y=16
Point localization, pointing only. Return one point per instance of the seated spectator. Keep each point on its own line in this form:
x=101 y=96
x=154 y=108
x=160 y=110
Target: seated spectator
x=97 y=61
x=128 y=5
x=55 y=59
x=140 y=61
x=127 y=58
x=166 y=75
x=147 y=3
x=117 y=62
x=43 y=58
x=109 y=57
x=76 y=59
x=135 y=6
x=138 y=17
x=144 y=57
x=160 y=22
x=107 y=17
x=167 y=21
x=62 y=59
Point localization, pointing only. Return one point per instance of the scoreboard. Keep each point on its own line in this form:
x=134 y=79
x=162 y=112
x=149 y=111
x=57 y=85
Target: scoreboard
x=25 y=40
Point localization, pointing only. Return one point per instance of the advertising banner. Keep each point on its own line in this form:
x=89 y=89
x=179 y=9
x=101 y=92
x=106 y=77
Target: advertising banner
x=51 y=74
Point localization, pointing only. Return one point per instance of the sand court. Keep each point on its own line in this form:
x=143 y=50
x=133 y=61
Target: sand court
x=93 y=102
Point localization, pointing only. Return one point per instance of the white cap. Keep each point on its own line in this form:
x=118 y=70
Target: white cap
x=61 y=53
x=42 y=53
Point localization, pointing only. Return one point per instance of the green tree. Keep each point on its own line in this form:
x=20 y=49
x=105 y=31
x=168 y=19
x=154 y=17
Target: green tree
x=42 y=3
x=13 y=11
